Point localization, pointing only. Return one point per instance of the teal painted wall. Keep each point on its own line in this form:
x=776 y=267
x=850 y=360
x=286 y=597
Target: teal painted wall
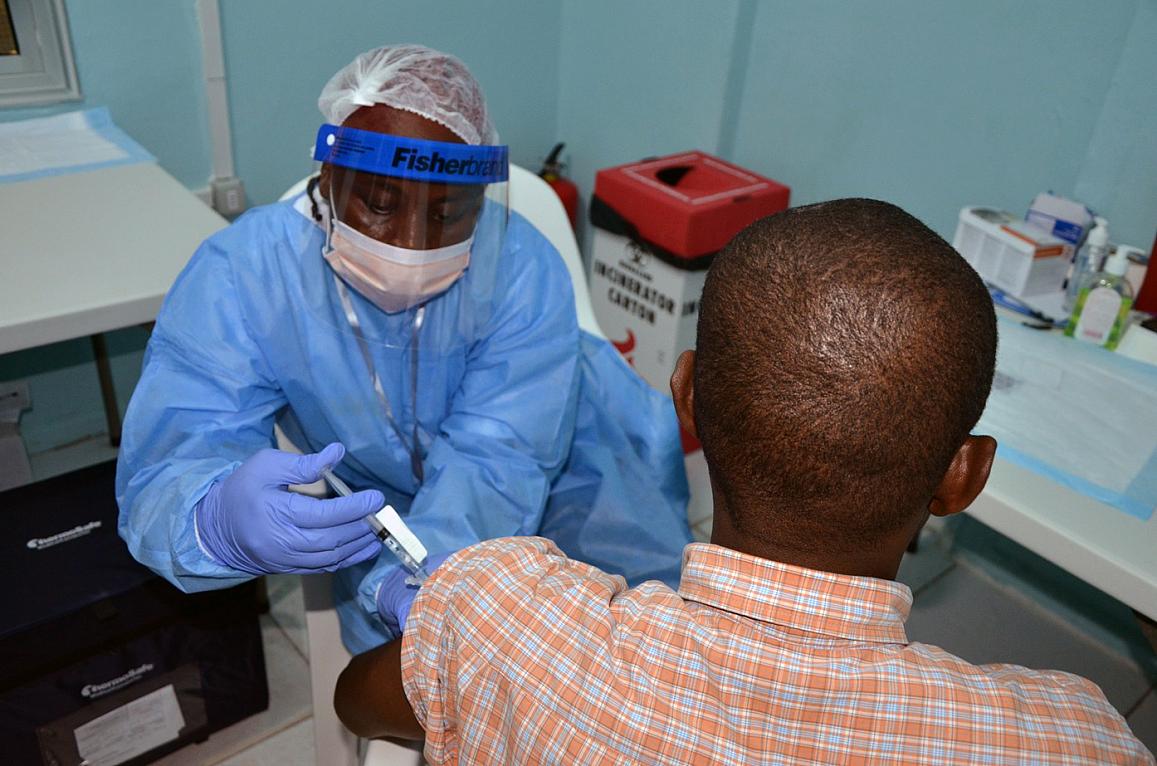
x=933 y=105
x=142 y=59
x=65 y=390
x=1119 y=174
x=279 y=55
x=640 y=79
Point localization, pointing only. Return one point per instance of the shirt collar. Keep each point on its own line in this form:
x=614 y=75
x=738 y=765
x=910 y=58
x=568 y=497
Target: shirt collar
x=824 y=603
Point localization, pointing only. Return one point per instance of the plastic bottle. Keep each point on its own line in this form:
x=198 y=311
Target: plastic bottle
x=1088 y=261
x=1102 y=309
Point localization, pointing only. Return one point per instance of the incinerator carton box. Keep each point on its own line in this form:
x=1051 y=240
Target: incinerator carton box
x=657 y=225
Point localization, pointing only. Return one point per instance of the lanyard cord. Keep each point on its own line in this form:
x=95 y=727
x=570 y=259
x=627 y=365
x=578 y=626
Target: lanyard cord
x=417 y=453
x=415 y=449
x=415 y=459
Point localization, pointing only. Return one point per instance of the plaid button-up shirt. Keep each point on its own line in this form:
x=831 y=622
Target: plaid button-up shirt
x=515 y=654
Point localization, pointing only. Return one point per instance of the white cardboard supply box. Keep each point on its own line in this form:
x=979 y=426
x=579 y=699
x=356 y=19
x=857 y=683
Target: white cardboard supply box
x=1014 y=255
x=647 y=308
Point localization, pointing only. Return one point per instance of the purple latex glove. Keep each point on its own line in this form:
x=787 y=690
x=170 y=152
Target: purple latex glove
x=251 y=522
x=395 y=596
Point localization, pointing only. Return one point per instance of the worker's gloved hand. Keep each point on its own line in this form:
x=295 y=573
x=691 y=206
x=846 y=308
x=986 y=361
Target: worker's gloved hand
x=250 y=521
x=396 y=596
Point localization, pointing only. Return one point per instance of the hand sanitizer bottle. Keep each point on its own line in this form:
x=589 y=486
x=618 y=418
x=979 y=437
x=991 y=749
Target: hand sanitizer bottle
x=1088 y=261
x=1102 y=309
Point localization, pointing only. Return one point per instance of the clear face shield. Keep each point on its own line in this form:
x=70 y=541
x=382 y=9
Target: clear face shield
x=414 y=232
x=412 y=220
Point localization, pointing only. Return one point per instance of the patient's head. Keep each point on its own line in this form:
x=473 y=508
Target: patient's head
x=844 y=353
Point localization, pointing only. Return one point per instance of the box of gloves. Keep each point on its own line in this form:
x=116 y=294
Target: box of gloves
x=1017 y=256
x=657 y=225
x=101 y=661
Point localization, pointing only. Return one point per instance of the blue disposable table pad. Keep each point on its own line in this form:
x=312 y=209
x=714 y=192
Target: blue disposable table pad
x=72 y=142
x=1077 y=414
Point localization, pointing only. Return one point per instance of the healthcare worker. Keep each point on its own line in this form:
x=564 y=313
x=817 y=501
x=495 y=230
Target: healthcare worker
x=409 y=331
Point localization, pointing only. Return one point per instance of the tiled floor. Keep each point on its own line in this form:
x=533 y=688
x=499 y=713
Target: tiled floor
x=1143 y=720
x=290 y=747
x=967 y=604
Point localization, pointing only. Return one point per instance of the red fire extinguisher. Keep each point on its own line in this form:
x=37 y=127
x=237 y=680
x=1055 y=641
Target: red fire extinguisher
x=552 y=173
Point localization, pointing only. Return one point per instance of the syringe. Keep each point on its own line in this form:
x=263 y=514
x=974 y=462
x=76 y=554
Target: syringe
x=392 y=531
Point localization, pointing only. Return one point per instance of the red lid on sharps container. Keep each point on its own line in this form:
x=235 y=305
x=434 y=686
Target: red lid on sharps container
x=690 y=204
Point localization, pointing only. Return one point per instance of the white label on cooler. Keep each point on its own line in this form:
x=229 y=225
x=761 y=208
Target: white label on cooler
x=132 y=729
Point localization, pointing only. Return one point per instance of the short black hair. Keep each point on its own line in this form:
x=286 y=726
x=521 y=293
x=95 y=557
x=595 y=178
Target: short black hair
x=844 y=353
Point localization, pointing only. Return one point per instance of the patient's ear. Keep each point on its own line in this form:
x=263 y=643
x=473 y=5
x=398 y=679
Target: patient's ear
x=966 y=476
x=683 y=391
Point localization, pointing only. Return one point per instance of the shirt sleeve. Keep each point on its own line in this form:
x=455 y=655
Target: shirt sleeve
x=1101 y=733
x=204 y=403
x=489 y=470
x=490 y=618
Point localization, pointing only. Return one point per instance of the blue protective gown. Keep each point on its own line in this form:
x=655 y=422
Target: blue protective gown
x=529 y=428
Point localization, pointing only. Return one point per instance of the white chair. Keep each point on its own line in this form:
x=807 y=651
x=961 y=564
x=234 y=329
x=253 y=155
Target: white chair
x=531 y=197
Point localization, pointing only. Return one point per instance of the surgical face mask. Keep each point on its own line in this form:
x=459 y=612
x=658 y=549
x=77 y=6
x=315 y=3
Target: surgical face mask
x=394 y=278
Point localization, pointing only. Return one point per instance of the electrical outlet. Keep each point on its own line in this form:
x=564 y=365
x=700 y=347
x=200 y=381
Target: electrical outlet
x=228 y=196
x=14 y=399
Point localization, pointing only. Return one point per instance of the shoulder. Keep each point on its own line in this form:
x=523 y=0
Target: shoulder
x=249 y=266
x=263 y=230
x=264 y=246
x=1052 y=703
x=998 y=677
x=524 y=235
x=499 y=597
x=519 y=567
x=533 y=285
x=529 y=251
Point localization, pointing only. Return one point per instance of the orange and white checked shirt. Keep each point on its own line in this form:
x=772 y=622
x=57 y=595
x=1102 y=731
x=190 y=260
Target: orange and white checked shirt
x=515 y=654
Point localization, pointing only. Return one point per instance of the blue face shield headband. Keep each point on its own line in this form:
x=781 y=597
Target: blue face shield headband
x=411 y=158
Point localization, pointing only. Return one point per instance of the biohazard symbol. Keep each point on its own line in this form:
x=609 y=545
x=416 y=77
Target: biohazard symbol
x=626 y=347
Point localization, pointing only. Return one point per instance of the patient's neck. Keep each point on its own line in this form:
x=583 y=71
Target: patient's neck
x=878 y=558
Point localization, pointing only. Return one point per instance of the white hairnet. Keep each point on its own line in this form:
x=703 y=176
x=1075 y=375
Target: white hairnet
x=421 y=80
